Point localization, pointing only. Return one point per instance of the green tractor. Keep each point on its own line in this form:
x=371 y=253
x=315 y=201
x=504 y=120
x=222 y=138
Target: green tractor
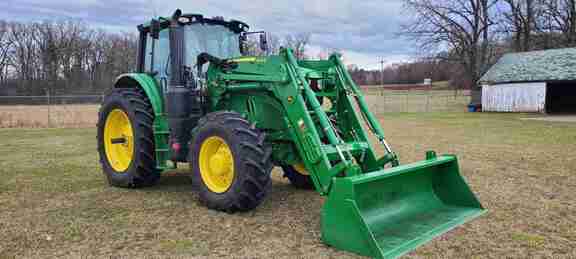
x=197 y=98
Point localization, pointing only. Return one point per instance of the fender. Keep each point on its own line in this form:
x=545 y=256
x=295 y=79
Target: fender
x=147 y=83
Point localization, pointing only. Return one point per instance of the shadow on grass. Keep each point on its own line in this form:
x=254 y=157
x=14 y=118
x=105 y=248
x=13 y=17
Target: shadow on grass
x=173 y=181
x=281 y=193
x=180 y=181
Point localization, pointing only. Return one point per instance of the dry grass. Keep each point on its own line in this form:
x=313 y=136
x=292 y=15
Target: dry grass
x=55 y=201
x=43 y=116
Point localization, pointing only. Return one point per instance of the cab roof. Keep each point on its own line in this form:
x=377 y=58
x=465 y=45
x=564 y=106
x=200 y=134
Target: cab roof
x=187 y=19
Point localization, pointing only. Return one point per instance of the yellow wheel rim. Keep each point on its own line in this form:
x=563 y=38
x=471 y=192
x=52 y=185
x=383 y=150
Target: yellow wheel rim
x=301 y=169
x=216 y=164
x=118 y=140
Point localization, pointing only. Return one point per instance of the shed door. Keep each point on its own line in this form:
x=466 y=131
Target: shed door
x=561 y=97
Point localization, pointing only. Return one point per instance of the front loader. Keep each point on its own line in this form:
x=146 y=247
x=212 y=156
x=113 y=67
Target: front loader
x=197 y=98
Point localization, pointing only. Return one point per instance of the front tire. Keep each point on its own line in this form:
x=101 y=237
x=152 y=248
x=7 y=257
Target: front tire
x=125 y=139
x=230 y=162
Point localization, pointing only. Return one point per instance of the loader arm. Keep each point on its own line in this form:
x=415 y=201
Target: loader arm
x=346 y=154
x=370 y=210
x=375 y=206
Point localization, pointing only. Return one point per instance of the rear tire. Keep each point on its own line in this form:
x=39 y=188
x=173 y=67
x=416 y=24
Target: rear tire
x=139 y=170
x=248 y=159
x=298 y=180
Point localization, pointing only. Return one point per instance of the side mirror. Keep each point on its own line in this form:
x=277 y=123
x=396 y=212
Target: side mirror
x=263 y=42
x=176 y=14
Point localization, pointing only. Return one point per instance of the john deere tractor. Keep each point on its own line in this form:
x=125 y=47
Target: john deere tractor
x=197 y=98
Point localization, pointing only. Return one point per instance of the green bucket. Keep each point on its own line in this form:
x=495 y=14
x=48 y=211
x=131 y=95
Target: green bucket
x=388 y=213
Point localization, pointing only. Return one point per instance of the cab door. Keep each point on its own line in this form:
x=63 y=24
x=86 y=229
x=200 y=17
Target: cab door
x=157 y=58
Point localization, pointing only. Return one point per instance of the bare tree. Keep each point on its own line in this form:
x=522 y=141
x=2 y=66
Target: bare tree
x=95 y=63
x=274 y=43
x=461 y=27
x=298 y=43
x=49 y=50
x=252 y=45
x=63 y=56
x=5 y=47
x=561 y=15
x=520 y=20
x=24 y=55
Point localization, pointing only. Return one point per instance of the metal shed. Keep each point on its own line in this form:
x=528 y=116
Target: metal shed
x=537 y=81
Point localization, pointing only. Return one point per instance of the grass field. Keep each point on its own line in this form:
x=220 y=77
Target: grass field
x=56 y=203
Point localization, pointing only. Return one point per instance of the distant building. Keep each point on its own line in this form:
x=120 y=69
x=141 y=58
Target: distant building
x=537 y=81
x=427 y=81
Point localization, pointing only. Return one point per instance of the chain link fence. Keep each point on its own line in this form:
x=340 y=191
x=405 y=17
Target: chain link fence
x=417 y=101
x=75 y=111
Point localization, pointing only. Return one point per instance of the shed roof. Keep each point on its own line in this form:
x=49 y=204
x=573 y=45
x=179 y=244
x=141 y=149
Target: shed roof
x=534 y=66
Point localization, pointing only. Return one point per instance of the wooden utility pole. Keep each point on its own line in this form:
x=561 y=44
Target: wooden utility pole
x=382 y=72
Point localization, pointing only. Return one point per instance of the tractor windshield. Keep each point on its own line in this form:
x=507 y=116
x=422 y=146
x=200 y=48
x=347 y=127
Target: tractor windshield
x=215 y=40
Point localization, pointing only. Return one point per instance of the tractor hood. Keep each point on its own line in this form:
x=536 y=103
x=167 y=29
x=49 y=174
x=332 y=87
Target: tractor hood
x=262 y=69
x=250 y=68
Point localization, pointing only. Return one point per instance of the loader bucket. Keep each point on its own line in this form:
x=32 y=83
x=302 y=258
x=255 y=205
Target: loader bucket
x=388 y=213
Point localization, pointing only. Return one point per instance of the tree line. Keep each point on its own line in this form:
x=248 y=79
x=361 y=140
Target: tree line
x=66 y=56
x=61 y=57
x=405 y=73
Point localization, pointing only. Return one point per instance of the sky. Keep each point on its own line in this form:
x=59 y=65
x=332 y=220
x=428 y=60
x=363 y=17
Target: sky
x=365 y=31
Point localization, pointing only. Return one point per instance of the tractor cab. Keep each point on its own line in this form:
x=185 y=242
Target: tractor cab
x=192 y=34
x=173 y=50
x=188 y=36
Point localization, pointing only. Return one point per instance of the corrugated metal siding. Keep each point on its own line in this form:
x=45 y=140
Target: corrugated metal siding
x=520 y=97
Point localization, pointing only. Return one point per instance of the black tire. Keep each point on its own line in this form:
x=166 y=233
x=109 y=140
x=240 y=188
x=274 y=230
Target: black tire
x=142 y=169
x=297 y=180
x=252 y=162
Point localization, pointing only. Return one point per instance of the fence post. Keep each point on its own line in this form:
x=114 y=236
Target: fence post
x=48 y=104
x=405 y=102
x=383 y=103
x=428 y=101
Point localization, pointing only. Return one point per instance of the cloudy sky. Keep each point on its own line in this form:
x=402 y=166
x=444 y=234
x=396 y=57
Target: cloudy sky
x=363 y=30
